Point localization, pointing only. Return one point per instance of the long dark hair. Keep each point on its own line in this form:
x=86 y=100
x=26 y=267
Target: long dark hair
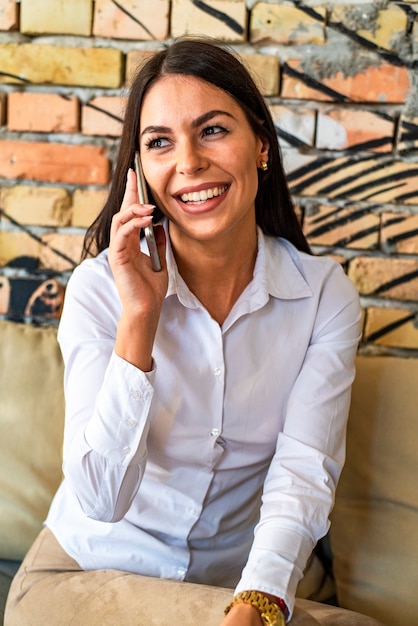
x=215 y=64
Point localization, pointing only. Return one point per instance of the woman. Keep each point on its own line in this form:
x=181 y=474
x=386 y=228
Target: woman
x=207 y=402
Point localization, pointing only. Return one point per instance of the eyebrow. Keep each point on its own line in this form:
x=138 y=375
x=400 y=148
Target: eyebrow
x=202 y=119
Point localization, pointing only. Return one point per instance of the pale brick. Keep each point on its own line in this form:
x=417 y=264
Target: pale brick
x=295 y=127
x=60 y=252
x=42 y=206
x=87 y=204
x=395 y=328
x=17 y=244
x=134 y=60
x=342 y=227
x=139 y=19
x=54 y=162
x=355 y=179
x=5 y=290
x=61 y=65
x=9 y=15
x=386 y=27
x=385 y=278
x=286 y=24
x=103 y=116
x=43 y=112
x=339 y=129
x=385 y=83
x=56 y=16
x=265 y=70
x=225 y=20
x=399 y=233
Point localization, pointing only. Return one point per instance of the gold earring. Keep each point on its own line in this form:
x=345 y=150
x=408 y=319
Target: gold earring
x=264 y=166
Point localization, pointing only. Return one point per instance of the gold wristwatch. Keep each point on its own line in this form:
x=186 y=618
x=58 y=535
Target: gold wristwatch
x=269 y=611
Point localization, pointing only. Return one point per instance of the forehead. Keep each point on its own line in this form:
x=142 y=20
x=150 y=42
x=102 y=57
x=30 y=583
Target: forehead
x=177 y=96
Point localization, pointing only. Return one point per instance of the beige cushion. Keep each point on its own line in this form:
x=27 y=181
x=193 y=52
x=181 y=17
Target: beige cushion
x=374 y=531
x=31 y=429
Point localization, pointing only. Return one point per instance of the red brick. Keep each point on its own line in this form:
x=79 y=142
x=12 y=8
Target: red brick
x=385 y=83
x=99 y=116
x=54 y=162
x=9 y=15
x=189 y=18
x=139 y=20
x=43 y=112
x=339 y=129
x=5 y=290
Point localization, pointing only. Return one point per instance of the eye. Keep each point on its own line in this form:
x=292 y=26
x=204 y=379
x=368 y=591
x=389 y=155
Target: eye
x=214 y=130
x=158 y=142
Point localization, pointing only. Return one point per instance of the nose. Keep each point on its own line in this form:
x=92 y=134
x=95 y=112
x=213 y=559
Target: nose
x=189 y=158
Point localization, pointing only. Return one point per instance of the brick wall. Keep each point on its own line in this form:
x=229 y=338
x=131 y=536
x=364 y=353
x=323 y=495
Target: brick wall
x=341 y=80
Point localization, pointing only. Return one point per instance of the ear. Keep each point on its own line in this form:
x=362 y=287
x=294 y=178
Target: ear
x=263 y=155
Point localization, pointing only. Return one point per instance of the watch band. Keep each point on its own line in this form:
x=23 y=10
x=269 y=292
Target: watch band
x=269 y=611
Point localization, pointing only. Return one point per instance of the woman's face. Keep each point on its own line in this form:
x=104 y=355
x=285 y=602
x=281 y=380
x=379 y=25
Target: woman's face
x=200 y=158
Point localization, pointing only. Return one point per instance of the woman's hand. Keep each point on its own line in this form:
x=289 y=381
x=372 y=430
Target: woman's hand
x=141 y=290
x=242 y=615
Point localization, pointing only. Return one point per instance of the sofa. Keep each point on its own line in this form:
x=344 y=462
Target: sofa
x=369 y=561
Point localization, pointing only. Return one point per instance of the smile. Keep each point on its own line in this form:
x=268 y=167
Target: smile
x=201 y=196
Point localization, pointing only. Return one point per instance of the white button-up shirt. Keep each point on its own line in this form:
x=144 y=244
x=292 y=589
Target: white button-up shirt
x=220 y=465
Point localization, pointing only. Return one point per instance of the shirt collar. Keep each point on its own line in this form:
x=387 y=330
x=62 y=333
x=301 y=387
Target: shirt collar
x=277 y=273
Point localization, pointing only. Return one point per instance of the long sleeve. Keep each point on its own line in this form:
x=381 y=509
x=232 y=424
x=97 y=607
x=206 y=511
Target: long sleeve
x=107 y=399
x=300 y=485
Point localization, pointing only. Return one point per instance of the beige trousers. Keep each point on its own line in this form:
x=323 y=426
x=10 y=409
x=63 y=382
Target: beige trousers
x=50 y=589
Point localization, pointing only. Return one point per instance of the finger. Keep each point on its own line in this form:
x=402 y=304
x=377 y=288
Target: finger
x=131 y=191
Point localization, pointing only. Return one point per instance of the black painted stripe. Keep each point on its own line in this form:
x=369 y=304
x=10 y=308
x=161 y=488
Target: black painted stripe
x=108 y=113
x=32 y=235
x=325 y=171
x=389 y=328
x=294 y=141
x=376 y=182
x=133 y=18
x=219 y=15
x=312 y=83
x=396 y=282
x=24 y=80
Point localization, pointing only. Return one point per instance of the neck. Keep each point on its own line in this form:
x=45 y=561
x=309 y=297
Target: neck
x=217 y=272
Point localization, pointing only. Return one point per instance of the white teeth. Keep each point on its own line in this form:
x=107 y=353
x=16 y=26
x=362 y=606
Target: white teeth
x=202 y=196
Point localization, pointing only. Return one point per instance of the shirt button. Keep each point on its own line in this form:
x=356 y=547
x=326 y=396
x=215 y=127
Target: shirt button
x=137 y=394
x=181 y=571
x=217 y=371
x=215 y=432
x=132 y=423
x=126 y=450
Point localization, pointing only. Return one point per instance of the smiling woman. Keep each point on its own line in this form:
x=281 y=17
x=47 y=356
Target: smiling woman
x=206 y=403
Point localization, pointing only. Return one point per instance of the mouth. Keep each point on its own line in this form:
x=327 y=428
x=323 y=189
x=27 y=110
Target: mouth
x=198 y=197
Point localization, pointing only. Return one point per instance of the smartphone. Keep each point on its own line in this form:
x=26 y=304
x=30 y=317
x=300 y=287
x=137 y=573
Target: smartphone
x=149 y=230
